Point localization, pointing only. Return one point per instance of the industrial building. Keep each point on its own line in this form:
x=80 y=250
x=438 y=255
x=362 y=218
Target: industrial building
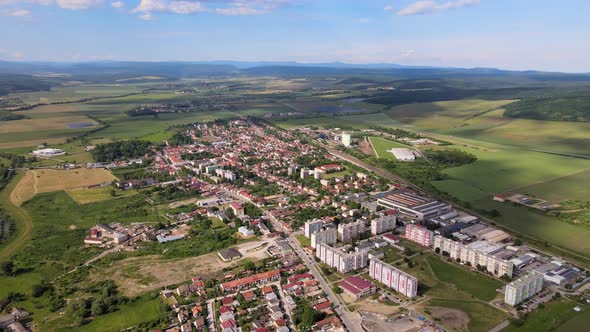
x=393 y=278
x=523 y=288
x=403 y=154
x=414 y=205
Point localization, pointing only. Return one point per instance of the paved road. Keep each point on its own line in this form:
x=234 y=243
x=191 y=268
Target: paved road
x=351 y=320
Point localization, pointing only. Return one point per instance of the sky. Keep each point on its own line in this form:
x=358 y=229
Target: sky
x=509 y=34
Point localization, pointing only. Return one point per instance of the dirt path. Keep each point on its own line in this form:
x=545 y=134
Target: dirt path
x=21 y=217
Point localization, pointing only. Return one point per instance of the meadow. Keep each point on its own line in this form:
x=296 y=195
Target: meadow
x=481 y=317
x=88 y=195
x=382 y=147
x=555 y=316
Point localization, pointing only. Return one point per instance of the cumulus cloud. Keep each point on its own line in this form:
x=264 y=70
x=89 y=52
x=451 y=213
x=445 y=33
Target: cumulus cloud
x=79 y=4
x=429 y=6
x=388 y=8
x=252 y=7
x=118 y=4
x=146 y=8
x=19 y=13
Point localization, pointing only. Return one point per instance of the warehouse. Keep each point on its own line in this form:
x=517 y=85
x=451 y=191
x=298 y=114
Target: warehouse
x=414 y=205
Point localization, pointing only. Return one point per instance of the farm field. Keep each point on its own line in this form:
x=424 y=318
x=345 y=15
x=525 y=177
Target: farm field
x=88 y=195
x=470 y=119
x=60 y=94
x=569 y=187
x=345 y=121
x=49 y=180
x=382 y=146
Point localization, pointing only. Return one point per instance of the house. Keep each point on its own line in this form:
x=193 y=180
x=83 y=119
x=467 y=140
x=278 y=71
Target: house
x=237 y=208
x=245 y=231
x=229 y=254
x=252 y=280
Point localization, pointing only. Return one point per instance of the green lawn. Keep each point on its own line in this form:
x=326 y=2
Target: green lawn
x=303 y=240
x=557 y=315
x=382 y=146
x=482 y=317
x=216 y=223
x=391 y=254
x=476 y=284
x=85 y=196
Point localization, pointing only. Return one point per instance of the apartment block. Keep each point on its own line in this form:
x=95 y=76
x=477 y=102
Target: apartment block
x=327 y=236
x=523 y=288
x=477 y=253
x=351 y=231
x=394 y=278
x=419 y=234
x=343 y=261
x=312 y=226
x=383 y=224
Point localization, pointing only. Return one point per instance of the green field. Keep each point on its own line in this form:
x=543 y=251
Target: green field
x=480 y=286
x=303 y=240
x=382 y=147
x=348 y=121
x=557 y=315
x=482 y=317
x=85 y=195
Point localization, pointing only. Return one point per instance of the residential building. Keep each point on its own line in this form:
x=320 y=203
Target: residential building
x=414 y=205
x=327 y=236
x=357 y=287
x=523 y=288
x=383 y=224
x=346 y=139
x=251 y=280
x=312 y=226
x=419 y=234
x=394 y=278
x=480 y=253
x=351 y=231
x=343 y=261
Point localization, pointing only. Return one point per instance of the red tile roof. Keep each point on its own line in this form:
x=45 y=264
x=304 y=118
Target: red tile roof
x=251 y=279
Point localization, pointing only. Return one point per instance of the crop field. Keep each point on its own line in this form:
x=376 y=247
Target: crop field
x=382 y=146
x=49 y=180
x=446 y=114
x=60 y=94
x=470 y=119
x=363 y=121
x=569 y=187
x=87 y=195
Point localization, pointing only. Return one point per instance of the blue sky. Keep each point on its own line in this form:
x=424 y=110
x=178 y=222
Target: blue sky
x=511 y=34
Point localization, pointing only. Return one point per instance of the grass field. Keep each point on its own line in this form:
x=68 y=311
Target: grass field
x=86 y=195
x=480 y=286
x=48 y=180
x=353 y=121
x=304 y=241
x=382 y=147
x=482 y=317
x=556 y=316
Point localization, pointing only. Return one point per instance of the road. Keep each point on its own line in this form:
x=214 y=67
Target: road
x=351 y=320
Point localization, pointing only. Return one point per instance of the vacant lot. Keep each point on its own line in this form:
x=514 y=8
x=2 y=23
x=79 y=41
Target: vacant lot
x=138 y=275
x=382 y=146
x=88 y=195
x=48 y=180
x=481 y=317
x=453 y=319
x=555 y=314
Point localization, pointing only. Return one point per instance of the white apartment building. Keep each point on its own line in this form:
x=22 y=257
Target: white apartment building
x=419 y=234
x=477 y=253
x=343 y=261
x=312 y=226
x=523 y=288
x=327 y=236
x=394 y=278
x=346 y=139
x=350 y=231
x=383 y=224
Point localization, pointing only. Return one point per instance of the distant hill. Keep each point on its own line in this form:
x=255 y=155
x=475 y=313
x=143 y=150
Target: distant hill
x=10 y=83
x=569 y=107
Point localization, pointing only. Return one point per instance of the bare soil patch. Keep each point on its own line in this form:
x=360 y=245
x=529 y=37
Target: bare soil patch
x=453 y=319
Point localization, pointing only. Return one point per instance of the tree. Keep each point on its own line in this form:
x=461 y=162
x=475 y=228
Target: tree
x=38 y=289
x=113 y=193
x=249 y=265
x=7 y=268
x=336 y=289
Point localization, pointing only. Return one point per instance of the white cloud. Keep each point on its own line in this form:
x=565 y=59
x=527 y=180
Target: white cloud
x=364 y=20
x=388 y=8
x=79 y=4
x=252 y=7
x=19 y=13
x=118 y=4
x=429 y=6
x=147 y=7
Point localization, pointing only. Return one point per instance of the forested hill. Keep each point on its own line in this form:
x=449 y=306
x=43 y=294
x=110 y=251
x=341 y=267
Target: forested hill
x=570 y=107
x=10 y=83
